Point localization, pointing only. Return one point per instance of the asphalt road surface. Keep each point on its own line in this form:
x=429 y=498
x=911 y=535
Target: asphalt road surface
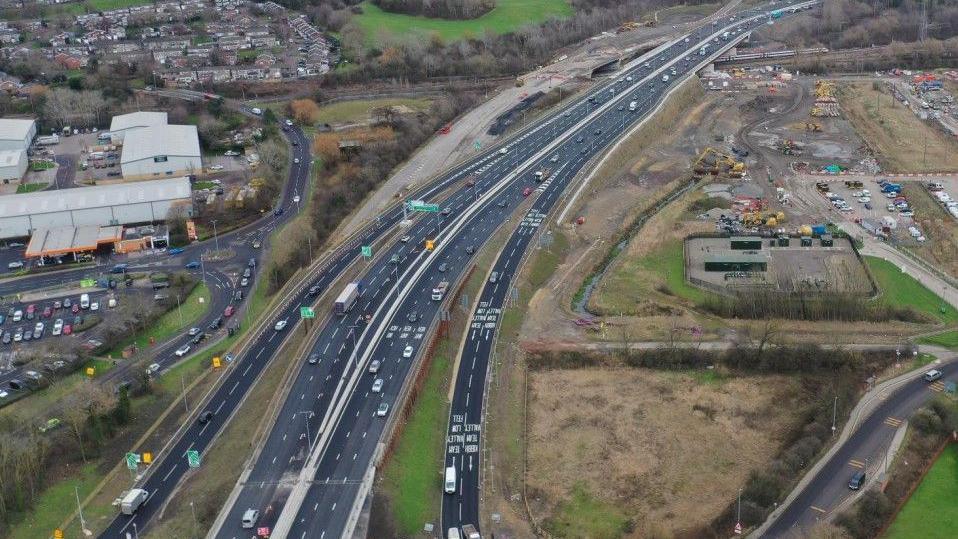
x=867 y=447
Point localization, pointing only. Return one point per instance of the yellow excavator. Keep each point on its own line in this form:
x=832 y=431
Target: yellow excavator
x=714 y=162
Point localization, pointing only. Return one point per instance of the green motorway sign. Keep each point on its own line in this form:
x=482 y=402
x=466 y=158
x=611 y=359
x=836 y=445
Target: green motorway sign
x=418 y=205
x=367 y=251
x=307 y=312
x=132 y=460
x=193 y=458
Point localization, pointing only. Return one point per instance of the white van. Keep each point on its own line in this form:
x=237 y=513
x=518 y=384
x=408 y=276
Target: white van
x=450 y=483
x=453 y=534
x=84 y=301
x=249 y=518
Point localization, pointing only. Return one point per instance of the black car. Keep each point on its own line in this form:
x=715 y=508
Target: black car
x=198 y=338
x=313 y=359
x=598 y=132
x=16 y=384
x=205 y=417
x=857 y=481
x=314 y=290
x=470 y=249
x=7 y=337
x=215 y=324
x=579 y=139
x=278 y=211
x=413 y=316
x=251 y=263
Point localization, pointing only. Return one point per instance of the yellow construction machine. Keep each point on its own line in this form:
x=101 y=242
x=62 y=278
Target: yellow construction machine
x=714 y=162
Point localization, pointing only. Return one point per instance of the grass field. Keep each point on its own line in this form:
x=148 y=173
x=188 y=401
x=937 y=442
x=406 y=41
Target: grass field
x=508 y=15
x=948 y=339
x=31 y=187
x=931 y=512
x=106 y=5
x=54 y=502
x=173 y=321
x=344 y=112
x=582 y=515
x=902 y=142
x=901 y=289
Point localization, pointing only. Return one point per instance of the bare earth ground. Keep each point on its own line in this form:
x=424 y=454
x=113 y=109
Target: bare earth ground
x=664 y=449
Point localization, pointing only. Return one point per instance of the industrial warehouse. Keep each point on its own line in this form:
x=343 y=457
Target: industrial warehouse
x=16 y=135
x=107 y=205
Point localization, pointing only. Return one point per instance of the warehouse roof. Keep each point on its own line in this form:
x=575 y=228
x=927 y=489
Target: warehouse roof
x=9 y=158
x=94 y=197
x=64 y=240
x=137 y=119
x=737 y=258
x=15 y=128
x=146 y=143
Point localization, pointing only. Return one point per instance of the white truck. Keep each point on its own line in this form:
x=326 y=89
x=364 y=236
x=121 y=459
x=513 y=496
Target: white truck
x=347 y=298
x=542 y=174
x=633 y=105
x=439 y=291
x=132 y=500
x=49 y=140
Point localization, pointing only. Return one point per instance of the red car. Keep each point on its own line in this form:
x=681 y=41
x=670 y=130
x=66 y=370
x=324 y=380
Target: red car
x=67 y=329
x=527 y=191
x=47 y=312
x=31 y=309
x=75 y=308
x=228 y=312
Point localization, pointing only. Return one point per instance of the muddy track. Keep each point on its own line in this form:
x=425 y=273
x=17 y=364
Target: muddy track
x=761 y=158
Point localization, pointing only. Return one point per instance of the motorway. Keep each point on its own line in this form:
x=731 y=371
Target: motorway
x=867 y=446
x=327 y=432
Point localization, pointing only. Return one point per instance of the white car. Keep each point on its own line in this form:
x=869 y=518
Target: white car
x=280 y=325
x=296 y=198
x=182 y=351
x=405 y=239
x=57 y=327
x=230 y=153
x=407 y=352
x=216 y=167
x=863 y=200
x=15 y=265
x=382 y=410
x=95 y=306
x=296 y=160
x=193 y=332
x=504 y=151
x=153 y=369
x=289 y=122
x=378 y=385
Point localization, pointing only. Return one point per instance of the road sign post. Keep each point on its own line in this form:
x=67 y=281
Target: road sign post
x=193 y=458
x=367 y=251
x=419 y=205
x=306 y=312
x=132 y=460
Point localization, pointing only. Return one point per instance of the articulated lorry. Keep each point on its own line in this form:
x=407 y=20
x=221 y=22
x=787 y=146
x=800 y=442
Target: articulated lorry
x=347 y=298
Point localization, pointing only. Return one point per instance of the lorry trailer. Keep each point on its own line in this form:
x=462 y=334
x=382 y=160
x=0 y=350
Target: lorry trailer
x=347 y=298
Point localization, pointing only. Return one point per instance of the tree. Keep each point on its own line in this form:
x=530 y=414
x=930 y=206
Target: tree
x=326 y=146
x=304 y=111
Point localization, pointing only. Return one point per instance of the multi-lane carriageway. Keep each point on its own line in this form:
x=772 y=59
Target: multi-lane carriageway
x=332 y=400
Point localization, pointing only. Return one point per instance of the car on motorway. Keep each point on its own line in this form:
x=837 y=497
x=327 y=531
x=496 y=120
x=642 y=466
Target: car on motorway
x=443 y=266
x=278 y=211
x=198 y=338
x=932 y=375
x=280 y=325
x=216 y=323
x=182 y=351
x=382 y=410
x=313 y=358
x=153 y=369
x=228 y=311
x=238 y=296
x=857 y=480
x=205 y=417
x=192 y=264
x=296 y=160
x=57 y=327
x=244 y=281
x=554 y=158
x=407 y=351
x=378 y=385
x=405 y=239
x=580 y=139
x=470 y=249
x=374 y=366
x=250 y=516
x=413 y=316
x=175 y=251
x=446 y=211
x=314 y=290
x=501 y=203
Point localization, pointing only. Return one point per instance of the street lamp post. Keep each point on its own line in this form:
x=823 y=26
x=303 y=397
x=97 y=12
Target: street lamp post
x=309 y=440
x=216 y=239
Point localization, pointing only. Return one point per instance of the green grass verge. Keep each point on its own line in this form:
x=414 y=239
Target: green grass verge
x=931 y=511
x=948 y=339
x=413 y=477
x=54 y=502
x=42 y=165
x=31 y=187
x=583 y=515
x=360 y=110
x=107 y=5
x=902 y=290
x=546 y=260
x=173 y=321
x=199 y=186
x=631 y=279
x=507 y=16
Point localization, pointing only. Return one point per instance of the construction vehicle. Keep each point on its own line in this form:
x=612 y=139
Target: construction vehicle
x=813 y=127
x=714 y=162
x=790 y=147
x=542 y=174
x=762 y=218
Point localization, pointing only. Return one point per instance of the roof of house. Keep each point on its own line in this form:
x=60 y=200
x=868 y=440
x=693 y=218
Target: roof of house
x=137 y=119
x=146 y=143
x=15 y=128
x=94 y=197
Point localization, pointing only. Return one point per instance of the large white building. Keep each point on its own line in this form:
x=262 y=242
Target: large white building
x=104 y=205
x=13 y=165
x=126 y=123
x=161 y=150
x=17 y=133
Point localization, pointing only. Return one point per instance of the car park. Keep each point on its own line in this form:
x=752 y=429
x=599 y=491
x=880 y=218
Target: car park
x=47 y=312
x=28 y=335
x=7 y=337
x=67 y=329
x=67 y=303
x=57 y=327
x=38 y=330
x=95 y=306
x=17 y=316
x=18 y=335
x=15 y=265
